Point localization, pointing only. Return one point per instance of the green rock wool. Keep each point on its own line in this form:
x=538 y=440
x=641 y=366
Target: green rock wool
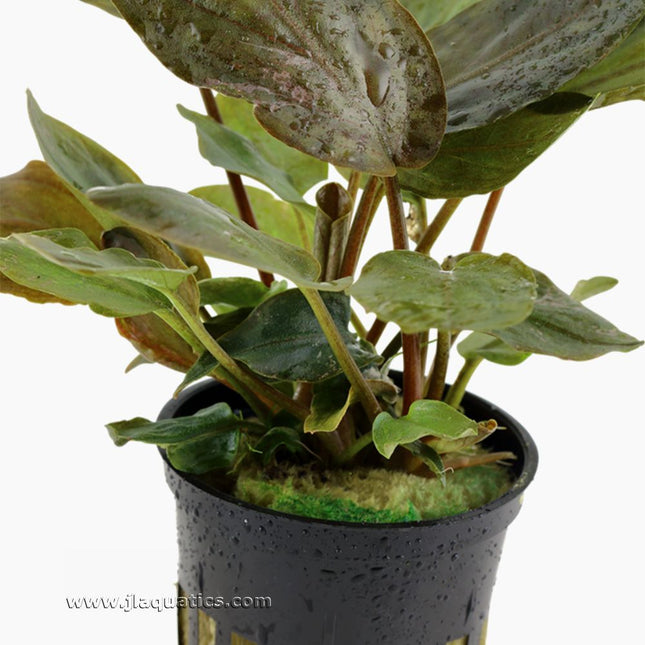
x=371 y=494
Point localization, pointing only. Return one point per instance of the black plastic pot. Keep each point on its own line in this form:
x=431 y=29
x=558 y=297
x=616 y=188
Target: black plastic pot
x=334 y=583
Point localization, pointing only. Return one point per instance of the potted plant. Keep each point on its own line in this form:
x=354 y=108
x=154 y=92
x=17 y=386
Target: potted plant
x=528 y=296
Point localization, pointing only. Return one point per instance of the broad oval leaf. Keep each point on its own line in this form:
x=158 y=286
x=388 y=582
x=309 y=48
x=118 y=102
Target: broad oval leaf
x=282 y=339
x=187 y=220
x=500 y=55
x=560 y=326
x=75 y=157
x=305 y=171
x=425 y=418
x=289 y=223
x=106 y=295
x=413 y=291
x=353 y=83
x=618 y=77
x=489 y=157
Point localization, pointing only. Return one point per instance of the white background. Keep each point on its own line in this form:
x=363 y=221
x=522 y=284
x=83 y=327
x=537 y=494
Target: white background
x=81 y=517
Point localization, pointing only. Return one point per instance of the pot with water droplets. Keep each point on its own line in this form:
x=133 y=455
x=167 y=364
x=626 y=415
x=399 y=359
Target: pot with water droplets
x=256 y=576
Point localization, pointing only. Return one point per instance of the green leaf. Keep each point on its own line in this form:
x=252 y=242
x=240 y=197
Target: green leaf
x=331 y=400
x=479 y=345
x=500 y=55
x=432 y=13
x=445 y=445
x=201 y=368
x=305 y=171
x=107 y=295
x=276 y=439
x=227 y=149
x=71 y=249
x=618 y=77
x=190 y=221
x=413 y=291
x=560 y=326
x=425 y=418
x=75 y=157
x=282 y=339
x=206 y=441
x=287 y=222
x=228 y=294
x=428 y=456
x=489 y=157
x=218 y=452
x=594 y=286
x=356 y=84
x=214 y=419
x=106 y=5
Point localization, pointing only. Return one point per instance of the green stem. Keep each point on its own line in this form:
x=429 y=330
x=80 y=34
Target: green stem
x=344 y=358
x=351 y=451
x=430 y=235
x=177 y=323
x=357 y=323
x=437 y=380
x=458 y=388
x=239 y=373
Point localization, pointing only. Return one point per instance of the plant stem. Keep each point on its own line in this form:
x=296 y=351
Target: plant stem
x=376 y=331
x=354 y=184
x=430 y=235
x=412 y=372
x=486 y=219
x=344 y=358
x=437 y=379
x=397 y=213
x=458 y=388
x=359 y=328
x=362 y=220
x=350 y=452
x=239 y=373
x=177 y=323
x=240 y=195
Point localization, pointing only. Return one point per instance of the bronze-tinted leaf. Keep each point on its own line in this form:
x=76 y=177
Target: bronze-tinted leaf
x=354 y=83
x=500 y=55
x=618 y=77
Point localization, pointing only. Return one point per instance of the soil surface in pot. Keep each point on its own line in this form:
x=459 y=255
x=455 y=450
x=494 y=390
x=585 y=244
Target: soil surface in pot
x=370 y=494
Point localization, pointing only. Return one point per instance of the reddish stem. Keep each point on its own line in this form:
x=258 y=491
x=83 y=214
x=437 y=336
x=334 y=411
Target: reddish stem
x=235 y=181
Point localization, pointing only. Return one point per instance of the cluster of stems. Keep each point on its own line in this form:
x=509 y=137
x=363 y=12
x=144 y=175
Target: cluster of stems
x=338 y=249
